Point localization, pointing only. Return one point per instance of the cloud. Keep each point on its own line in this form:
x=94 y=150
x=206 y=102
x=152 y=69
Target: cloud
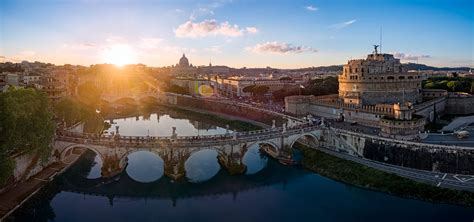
x=404 y=56
x=20 y=56
x=211 y=27
x=208 y=9
x=214 y=49
x=79 y=46
x=279 y=47
x=251 y=30
x=342 y=24
x=200 y=12
x=311 y=8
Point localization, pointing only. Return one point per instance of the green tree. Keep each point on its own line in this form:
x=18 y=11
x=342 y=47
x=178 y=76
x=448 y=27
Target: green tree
x=249 y=89
x=453 y=85
x=260 y=90
x=178 y=89
x=89 y=93
x=72 y=111
x=26 y=125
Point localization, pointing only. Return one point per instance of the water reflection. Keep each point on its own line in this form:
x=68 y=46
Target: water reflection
x=276 y=193
x=96 y=167
x=144 y=167
x=202 y=166
x=160 y=125
x=254 y=160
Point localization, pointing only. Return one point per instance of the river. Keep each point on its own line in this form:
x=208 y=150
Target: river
x=267 y=191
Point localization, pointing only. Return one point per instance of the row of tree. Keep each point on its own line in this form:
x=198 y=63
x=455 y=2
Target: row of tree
x=26 y=125
x=256 y=90
x=452 y=84
x=316 y=87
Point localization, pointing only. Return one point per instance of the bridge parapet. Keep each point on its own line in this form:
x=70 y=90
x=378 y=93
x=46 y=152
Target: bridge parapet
x=404 y=142
x=162 y=141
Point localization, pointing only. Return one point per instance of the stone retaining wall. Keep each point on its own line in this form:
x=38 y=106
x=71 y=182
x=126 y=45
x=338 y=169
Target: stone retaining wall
x=230 y=109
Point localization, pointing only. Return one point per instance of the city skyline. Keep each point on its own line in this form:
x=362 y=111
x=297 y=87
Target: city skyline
x=235 y=33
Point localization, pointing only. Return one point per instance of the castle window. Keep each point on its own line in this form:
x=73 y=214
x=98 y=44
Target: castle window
x=390 y=77
x=401 y=77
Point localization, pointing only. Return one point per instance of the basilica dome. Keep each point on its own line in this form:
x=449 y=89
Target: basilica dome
x=183 y=62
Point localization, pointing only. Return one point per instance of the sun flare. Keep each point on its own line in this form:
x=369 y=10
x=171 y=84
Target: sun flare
x=119 y=55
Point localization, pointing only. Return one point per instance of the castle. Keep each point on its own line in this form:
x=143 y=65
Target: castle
x=378 y=91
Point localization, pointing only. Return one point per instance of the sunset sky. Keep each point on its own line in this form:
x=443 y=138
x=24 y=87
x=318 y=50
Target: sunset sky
x=282 y=34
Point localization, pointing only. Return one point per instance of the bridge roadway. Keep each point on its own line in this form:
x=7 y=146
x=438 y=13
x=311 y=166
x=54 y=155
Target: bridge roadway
x=186 y=141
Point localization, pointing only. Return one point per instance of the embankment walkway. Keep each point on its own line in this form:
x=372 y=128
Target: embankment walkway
x=15 y=196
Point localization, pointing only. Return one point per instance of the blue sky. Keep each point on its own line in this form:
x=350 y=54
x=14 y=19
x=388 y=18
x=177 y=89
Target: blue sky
x=284 y=34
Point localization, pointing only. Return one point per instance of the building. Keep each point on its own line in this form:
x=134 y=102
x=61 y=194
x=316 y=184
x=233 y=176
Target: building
x=30 y=80
x=378 y=79
x=54 y=84
x=376 y=91
x=8 y=79
x=234 y=86
x=183 y=67
x=197 y=86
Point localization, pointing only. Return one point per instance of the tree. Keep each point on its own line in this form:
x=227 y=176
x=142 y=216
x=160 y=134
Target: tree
x=177 y=89
x=453 y=85
x=26 y=125
x=249 y=89
x=89 y=93
x=260 y=90
x=72 y=111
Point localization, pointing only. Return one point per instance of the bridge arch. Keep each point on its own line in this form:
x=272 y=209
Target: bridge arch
x=271 y=147
x=200 y=159
x=68 y=149
x=315 y=136
x=143 y=166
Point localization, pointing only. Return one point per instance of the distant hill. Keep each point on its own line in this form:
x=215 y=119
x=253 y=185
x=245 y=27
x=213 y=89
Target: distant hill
x=414 y=66
x=338 y=68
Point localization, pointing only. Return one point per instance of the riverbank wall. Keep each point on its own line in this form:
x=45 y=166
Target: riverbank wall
x=228 y=108
x=416 y=155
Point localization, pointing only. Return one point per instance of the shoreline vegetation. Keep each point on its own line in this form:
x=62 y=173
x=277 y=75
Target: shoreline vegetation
x=26 y=126
x=369 y=178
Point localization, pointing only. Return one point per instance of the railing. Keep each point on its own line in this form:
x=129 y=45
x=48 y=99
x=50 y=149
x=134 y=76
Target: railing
x=395 y=141
x=185 y=140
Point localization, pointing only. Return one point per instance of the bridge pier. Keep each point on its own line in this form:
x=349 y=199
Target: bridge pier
x=232 y=160
x=173 y=161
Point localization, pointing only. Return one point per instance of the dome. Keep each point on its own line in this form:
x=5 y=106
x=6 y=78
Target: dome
x=183 y=62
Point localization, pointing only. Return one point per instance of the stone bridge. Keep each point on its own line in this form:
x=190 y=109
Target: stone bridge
x=175 y=150
x=134 y=96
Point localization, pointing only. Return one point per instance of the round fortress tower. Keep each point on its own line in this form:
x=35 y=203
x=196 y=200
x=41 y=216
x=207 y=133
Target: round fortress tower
x=378 y=79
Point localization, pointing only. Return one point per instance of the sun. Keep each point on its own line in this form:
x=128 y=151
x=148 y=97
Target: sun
x=119 y=55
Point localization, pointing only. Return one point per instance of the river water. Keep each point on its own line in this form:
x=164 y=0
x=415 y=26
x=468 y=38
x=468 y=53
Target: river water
x=267 y=191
